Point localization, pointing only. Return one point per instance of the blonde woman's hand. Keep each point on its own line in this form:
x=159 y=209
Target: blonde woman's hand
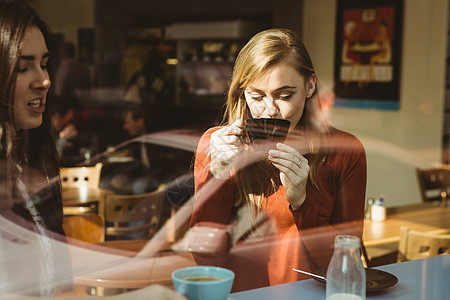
x=224 y=148
x=294 y=170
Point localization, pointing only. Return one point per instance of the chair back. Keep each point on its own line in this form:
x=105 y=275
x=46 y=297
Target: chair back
x=88 y=228
x=132 y=216
x=81 y=176
x=415 y=245
x=434 y=184
x=80 y=179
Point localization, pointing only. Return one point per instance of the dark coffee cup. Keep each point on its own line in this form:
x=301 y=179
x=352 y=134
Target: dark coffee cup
x=263 y=134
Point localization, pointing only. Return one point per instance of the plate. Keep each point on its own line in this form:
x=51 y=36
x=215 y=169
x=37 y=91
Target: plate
x=375 y=279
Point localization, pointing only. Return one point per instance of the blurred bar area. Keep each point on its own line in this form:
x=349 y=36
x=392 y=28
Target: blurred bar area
x=173 y=57
x=193 y=45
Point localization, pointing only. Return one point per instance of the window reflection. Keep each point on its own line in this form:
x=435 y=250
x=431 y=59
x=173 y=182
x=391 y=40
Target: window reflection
x=181 y=82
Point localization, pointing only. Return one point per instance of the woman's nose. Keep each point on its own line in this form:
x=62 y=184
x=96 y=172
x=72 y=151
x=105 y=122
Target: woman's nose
x=272 y=109
x=41 y=80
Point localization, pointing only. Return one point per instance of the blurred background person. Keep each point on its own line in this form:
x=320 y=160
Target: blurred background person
x=75 y=138
x=135 y=120
x=136 y=176
x=71 y=75
x=152 y=84
x=63 y=125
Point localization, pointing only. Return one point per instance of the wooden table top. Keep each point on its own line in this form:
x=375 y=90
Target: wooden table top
x=423 y=217
x=137 y=271
x=131 y=246
x=80 y=196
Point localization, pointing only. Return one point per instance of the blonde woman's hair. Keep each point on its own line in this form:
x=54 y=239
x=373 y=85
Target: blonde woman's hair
x=264 y=51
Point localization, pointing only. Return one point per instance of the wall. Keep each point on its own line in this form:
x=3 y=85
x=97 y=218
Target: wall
x=396 y=141
x=66 y=16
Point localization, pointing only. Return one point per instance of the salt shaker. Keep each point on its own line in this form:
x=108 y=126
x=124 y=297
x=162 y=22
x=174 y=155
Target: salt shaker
x=378 y=210
x=346 y=277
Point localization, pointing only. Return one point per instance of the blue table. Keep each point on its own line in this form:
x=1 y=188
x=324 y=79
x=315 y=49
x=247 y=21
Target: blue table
x=424 y=279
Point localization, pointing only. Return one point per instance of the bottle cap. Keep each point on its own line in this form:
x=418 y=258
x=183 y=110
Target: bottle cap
x=346 y=241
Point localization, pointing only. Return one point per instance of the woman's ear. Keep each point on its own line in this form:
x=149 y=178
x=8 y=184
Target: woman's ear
x=311 y=86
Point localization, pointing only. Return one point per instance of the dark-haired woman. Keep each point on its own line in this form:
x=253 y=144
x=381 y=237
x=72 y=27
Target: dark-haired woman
x=30 y=190
x=29 y=176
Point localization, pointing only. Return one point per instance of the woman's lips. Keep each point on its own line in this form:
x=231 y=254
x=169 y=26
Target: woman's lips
x=37 y=105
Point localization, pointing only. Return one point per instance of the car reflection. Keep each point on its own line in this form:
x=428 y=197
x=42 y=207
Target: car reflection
x=169 y=156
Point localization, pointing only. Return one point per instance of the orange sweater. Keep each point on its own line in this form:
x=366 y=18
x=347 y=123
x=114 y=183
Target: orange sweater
x=304 y=238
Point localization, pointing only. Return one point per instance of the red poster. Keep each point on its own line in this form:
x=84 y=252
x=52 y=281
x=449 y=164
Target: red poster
x=367 y=57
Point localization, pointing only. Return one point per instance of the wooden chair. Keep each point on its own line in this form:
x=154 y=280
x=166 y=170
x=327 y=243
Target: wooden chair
x=415 y=245
x=87 y=227
x=132 y=216
x=434 y=184
x=379 y=255
x=80 y=178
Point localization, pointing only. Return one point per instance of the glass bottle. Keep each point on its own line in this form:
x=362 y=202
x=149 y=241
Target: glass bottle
x=368 y=210
x=346 y=277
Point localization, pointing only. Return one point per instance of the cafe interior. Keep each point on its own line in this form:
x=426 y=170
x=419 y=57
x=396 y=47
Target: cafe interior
x=175 y=59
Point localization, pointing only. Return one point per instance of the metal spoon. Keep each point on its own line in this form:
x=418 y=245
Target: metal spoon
x=310 y=274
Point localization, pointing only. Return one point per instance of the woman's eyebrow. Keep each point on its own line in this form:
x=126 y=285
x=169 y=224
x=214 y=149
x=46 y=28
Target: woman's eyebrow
x=252 y=89
x=286 y=87
x=32 y=57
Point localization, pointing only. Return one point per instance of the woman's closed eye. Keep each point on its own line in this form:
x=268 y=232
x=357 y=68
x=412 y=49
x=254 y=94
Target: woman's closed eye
x=25 y=69
x=24 y=66
x=285 y=96
x=256 y=97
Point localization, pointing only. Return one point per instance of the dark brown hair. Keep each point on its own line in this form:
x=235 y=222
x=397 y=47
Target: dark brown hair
x=30 y=149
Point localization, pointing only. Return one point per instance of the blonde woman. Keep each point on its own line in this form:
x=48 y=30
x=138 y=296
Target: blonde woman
x=311 y=187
